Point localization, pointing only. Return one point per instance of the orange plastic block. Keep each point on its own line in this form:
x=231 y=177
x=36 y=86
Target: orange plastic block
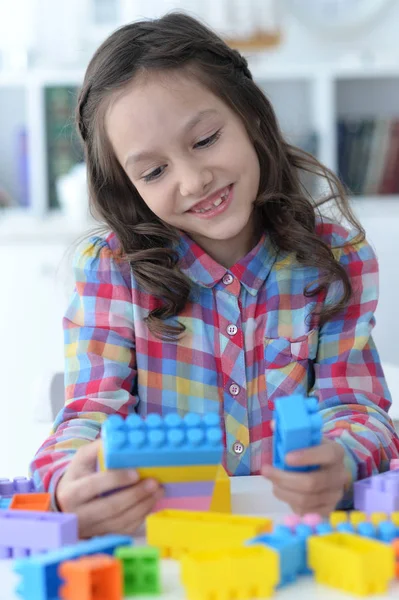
x=39 y=502
x=97 y=577
x=221 y=498
x=396 y=551
x=175 y=532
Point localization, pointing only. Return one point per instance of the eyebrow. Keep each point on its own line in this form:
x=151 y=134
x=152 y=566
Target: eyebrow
x=140 y=156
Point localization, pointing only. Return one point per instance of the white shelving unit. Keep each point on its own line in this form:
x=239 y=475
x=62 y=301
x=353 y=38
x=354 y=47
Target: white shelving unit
x=307 y=98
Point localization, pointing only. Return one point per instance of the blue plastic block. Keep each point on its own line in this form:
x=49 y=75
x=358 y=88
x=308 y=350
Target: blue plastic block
x=387 y=531
x=298 y=425
x=162 y=441
x=18 y=485
x=291 y=553
x=367 y=529
x=5 y=503
x=345 y=528
x=39 y=573
x=324 y=528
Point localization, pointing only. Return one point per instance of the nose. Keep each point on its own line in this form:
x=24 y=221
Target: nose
x=194 y=179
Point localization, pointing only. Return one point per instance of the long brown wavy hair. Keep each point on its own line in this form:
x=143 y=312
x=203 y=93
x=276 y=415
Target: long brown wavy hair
x=284 y=207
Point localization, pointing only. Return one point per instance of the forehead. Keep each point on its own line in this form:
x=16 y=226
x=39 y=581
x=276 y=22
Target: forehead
x=157 y=103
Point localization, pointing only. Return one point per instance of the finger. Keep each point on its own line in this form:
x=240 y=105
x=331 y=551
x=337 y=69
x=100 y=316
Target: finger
x=127 y=522
x=85 y=460
x=85 y=489
x=310 y=482
x=321 y=504
x=327 y=453
x=103 y=509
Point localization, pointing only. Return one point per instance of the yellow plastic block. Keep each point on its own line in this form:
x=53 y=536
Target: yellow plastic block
x=244 y=573
x=395 y=518
x=356 y=517
x=221 y=498
x=351 y=563
x=337 y=517
x=179 y=531
x=379 y=517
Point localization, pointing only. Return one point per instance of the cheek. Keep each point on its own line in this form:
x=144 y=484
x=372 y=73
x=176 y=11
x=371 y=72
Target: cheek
x=155 y=199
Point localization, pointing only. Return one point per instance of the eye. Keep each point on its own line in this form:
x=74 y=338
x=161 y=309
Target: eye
x=155 y=174
x=209 y=140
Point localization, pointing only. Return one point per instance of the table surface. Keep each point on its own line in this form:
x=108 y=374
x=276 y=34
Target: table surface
x=252 y=496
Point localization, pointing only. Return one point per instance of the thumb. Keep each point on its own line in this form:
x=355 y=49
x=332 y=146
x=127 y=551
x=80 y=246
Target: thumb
x=85 y=460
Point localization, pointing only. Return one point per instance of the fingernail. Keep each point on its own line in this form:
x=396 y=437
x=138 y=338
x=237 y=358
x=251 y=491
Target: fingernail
x=133 y=475
x=151 y=485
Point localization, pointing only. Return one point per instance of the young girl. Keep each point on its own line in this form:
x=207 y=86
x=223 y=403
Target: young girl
x=220 y=288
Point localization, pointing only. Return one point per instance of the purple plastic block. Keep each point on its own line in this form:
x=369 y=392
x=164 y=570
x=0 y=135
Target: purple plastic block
x=379 y=493
x=25 y=532
x=19 y=485
x=188 y=489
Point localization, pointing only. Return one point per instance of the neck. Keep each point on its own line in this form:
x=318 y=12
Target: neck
x=228 y=252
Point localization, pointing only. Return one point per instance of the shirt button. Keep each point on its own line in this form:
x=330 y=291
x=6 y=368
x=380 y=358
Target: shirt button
x=232 y=329
x=234 y=389
x=227 y=279
x=238 y=448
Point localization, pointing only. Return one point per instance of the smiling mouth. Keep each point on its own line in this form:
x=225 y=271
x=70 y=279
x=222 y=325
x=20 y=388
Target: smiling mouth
x=212 y=204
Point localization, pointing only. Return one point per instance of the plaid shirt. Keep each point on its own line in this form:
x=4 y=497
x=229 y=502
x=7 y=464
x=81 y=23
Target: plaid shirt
x=250 y=338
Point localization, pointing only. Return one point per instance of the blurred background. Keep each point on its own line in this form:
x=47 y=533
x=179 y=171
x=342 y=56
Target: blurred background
x=331 y=70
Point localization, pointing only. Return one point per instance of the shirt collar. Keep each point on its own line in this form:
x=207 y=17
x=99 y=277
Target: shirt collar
x=252 y=270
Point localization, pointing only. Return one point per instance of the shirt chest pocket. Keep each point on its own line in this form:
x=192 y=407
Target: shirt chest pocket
x=289 y=365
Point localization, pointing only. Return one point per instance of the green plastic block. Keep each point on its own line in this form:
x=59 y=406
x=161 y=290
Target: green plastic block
x=141 y=569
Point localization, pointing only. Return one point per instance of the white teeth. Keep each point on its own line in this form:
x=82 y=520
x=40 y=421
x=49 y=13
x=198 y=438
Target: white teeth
x=218 y=202
x=215 y=204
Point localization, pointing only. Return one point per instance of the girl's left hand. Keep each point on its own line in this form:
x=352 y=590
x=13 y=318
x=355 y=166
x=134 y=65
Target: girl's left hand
x=314 y=491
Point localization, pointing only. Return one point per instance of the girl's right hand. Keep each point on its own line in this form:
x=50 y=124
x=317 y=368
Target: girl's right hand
x=80 y=491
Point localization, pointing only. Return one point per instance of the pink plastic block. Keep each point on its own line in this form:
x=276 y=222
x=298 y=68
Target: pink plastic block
x=292 y=521
x=189 y=503
x=27 y=532
x=394 y=464
x=312 y=519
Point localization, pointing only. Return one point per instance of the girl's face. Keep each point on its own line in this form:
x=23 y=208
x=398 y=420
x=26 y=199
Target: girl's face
x=190 y=159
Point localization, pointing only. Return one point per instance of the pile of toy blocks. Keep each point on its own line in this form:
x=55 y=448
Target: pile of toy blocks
x=222 y=555
x=183 y=453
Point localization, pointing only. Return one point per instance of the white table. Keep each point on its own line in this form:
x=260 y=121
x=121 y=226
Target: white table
x=251 y=495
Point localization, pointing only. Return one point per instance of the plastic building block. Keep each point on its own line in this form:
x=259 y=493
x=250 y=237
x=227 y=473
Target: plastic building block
x=291 y=551
x=19 y=485
x=337 y=517
x=26 y=532
x=189 y=503
x=38 y=502
x=244 y=573
x=356 y=517
x=39 y=574
x=298 y=424
x=221 y=499
x=377 y=517
x=5 y=503
x=292 y=521
x=378 y=493
x=395 y=546
x=312 y=519
x=162 y=441
x=185 y=490
x=91 y=578
x=352 y=563
x=141 y=569
x=394 y=464
x=179 y=474
x=176 y=531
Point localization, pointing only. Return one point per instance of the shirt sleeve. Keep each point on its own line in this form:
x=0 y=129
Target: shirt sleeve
x=100 y=360
x=349 y=380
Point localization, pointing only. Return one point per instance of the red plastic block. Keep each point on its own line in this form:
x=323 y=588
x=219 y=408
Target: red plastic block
x=97 y=577
x=38 y=502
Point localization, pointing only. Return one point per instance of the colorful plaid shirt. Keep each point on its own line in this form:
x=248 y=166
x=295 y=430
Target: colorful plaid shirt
x=250 y=338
